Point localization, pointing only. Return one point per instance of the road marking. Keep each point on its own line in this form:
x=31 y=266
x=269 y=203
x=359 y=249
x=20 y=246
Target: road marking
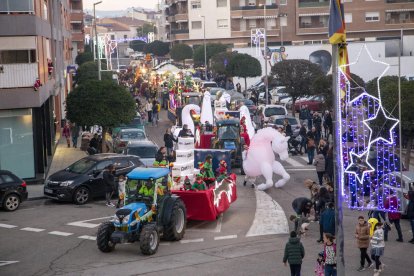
x=2 y=225
x=30 y=229
x=294 y=163
x=297 y=170
x=225 y=237
x=3 y=263
x=84 y=223
x=58 y=233
x=269 y=218
x=305 y=158
x=86 y=237
x=191 y=241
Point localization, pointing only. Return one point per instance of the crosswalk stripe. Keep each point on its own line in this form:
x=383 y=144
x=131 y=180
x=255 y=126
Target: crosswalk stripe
x=294 y=163
x=86 y=237
x=305 y=158
x=190 y=241
x=225 y=237
x=58 y=233
x=30 y=229
x=2 y=225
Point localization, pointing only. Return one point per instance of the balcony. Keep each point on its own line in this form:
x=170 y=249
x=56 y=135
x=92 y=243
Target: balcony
x=183 y=17
x=182 y=36
x=179 y=31
x=247 y=33
x=17 y=6
x=398 y=1
x=306 y=25
x=399 y=17
x=247 y=8
x=78 y=36
x=313 y=3
x=18 y=75
x=76 y=17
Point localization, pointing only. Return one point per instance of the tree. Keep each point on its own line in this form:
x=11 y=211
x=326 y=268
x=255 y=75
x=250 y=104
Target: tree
x=244 y=66
x=137 y=45
x=81 y=58
x=181 y=52
x=219 y=63
x=145 y=29
x=212 y=49
x=157 y=48
x=389 y=99
x=89 y=71
x=298 y=76
x=323 y=85
x=102 y=103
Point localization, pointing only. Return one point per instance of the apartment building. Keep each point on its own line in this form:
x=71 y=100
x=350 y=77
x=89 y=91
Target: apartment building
x=35 y=42
x=292 y=22
x=77 y=28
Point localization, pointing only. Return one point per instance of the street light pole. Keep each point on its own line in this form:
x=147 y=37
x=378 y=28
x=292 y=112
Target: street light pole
x=265 y=56
x=96 y=41
x=205 y=45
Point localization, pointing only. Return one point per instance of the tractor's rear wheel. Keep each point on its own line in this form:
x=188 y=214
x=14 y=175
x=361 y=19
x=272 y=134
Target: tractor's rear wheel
x=103 y=238
x=149 y=240
x=175 y=228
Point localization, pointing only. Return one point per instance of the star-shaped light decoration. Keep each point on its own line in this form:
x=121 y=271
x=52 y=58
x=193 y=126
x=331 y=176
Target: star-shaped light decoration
x=381 y=127
x=359 y=165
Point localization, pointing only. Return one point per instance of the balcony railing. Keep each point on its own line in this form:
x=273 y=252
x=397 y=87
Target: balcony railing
x=399 y=21
x=398 y=1
x=18 y=75
x=312 y=25
x=179 y=31
x=312 y=4
x=235 y=8
x=16 y=6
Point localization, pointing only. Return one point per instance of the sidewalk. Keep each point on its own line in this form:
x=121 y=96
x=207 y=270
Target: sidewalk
x=156 y=133
x=62 y=158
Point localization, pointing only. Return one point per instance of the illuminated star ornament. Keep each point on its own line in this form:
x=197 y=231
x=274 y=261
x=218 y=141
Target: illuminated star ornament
x=359 y=165
x=381 y=127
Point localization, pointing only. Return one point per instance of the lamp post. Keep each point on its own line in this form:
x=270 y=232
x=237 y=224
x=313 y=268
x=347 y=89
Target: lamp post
x=96 y=41
x=205 y=45
x=265 y=54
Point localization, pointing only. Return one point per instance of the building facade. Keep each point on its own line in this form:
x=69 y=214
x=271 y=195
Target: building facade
x=35 y=42
x=77 y=28
x=293 y=22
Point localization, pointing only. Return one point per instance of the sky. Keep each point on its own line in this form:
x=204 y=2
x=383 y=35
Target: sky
x=108 y=5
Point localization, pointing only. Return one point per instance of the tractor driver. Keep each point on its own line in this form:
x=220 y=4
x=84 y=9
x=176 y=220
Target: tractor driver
x=147 y=189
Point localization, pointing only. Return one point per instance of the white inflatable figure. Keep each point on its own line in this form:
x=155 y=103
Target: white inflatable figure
x=220 y=106
x=259 y=159
x=244 y=112
x=206 y=110
x=186 y=118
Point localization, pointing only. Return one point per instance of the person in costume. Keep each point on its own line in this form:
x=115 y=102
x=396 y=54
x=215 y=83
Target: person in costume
x=208 y=167
x=199 y=184
x=147 y=189
x=187 y=184
x=222 y=170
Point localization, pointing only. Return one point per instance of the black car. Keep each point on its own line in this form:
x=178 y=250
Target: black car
x=12 y=190
x=83 y=180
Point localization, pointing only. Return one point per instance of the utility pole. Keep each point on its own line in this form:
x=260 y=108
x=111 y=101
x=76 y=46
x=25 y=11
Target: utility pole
x=96 y=41
x=205 y=45
x=265 y=56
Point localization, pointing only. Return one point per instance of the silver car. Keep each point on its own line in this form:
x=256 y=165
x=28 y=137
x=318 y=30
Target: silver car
x=278 y=121
x=125 y=135
x=391 y=179
x=145 y=150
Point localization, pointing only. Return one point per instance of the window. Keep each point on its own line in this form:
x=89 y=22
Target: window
x=20 y=6
x=45 y=10
x=17 y=56
x=195 y=25
x=121 y=164
x=348 y=17
x=5 y=178
x=196 y=4
x=222 y=23
x=221 y=3
x=271 y=22
x=251 y=3
x=252 y=23
x=283 y=2
x=112 y=37
x=103 y=165
x=371 y=16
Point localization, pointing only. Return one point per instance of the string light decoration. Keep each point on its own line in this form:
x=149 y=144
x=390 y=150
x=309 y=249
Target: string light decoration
x=368 y=154
x=257 y=37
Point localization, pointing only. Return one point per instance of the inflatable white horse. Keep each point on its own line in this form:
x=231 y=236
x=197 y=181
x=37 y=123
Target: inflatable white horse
x=186 y=119
x=206 y=110
x=244 y=112
x=259 y=159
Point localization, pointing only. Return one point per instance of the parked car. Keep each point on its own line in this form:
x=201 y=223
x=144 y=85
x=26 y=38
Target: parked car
x=137 y=122
x=248 y=103
x=145 y=150
x=278 y=121
x=12 y=190
x=267 y=111
x=314 y=103
x=407 y=184
x=83 y=180
x=121 y=140
x=206 y=84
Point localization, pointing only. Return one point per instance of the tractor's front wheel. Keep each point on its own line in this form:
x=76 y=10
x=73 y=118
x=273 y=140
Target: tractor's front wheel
x=175 y=228
x=103 y=238
x=149 y=240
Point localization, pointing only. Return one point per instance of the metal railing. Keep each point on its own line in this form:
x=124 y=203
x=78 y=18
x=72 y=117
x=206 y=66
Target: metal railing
x=16 y=6
x=235 y=8
x=180 y=31
x=18 y=75
x=313 y=4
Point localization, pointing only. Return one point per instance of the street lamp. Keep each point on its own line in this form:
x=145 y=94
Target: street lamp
x=265 y=53
x=282 y=23
x=205 y=46
x=96 y=39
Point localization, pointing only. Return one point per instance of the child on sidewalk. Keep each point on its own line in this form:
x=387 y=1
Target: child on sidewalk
x=121 y=190
x=319 y=267
x=301 y=224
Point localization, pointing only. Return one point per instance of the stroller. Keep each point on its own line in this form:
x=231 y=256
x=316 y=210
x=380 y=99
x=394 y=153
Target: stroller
x=294 y=145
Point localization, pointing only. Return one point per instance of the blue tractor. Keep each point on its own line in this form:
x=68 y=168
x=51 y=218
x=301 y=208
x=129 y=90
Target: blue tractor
x=150 y=212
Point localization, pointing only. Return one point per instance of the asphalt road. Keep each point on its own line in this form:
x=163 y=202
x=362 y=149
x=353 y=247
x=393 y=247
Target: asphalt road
x=49 y=238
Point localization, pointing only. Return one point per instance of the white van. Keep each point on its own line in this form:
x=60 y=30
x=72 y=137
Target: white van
x=267 y=111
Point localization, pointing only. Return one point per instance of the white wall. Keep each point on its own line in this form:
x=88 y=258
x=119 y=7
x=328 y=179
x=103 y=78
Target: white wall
x=212 y=13
x=365 y=68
